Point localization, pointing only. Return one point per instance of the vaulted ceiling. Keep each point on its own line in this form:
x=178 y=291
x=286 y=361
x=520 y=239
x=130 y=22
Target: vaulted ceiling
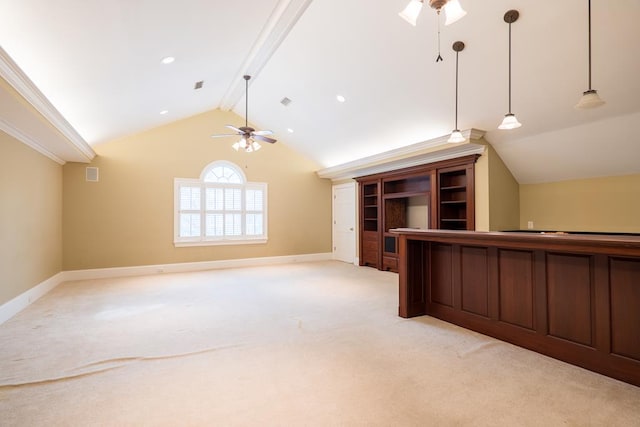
x=99 y=65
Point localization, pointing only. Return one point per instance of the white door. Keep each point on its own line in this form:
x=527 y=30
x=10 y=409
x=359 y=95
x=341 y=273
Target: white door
x=344 y=222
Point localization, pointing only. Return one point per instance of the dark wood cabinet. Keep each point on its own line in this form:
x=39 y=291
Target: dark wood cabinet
x=569 y=296
x=435 y=195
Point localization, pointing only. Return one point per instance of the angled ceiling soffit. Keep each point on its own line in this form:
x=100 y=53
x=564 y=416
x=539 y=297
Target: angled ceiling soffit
x=75 y=144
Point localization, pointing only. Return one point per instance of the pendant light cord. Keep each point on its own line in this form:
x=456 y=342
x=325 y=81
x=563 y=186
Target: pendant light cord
x=439 y=58
x=589 y=44
x=246 y=102
x=509 y=67
x=456 y=128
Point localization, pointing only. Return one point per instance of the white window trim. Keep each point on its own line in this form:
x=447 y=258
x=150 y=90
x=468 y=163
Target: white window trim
x=203 y=240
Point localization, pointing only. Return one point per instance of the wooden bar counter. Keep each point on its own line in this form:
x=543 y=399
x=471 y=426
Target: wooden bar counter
x=573 y=297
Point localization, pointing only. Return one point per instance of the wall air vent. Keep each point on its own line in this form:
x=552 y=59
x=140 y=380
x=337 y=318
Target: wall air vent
x=285 y=101
x=91 y=175
x=199 y=84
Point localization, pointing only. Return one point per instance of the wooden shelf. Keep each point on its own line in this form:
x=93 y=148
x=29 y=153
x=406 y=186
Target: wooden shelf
x=390 y=200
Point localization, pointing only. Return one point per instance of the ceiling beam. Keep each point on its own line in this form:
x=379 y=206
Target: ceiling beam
x=282 y=20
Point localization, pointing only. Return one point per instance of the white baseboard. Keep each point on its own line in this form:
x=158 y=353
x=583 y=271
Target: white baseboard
x=22 y=301
x=356 y=261
x=142 y=270
x=19 y=303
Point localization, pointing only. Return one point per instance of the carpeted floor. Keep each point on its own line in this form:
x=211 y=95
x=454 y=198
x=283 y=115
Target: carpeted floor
x=316 y=344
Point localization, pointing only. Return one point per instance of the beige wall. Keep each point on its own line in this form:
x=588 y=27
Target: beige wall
x=497 y=197
x=126 y=218
x=30 y=218
x=504 y=195
x=597 y=204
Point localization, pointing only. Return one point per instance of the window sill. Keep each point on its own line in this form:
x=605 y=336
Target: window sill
x=221 y=242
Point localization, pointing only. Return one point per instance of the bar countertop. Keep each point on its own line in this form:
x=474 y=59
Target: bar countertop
x=618 y=244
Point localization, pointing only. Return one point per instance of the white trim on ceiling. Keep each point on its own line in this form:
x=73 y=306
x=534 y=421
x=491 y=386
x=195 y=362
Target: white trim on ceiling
x=18 y=134
x=284 y=17
x=410 y=155
x=12 y=73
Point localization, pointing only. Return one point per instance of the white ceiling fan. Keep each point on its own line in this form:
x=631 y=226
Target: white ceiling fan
x=248 y=135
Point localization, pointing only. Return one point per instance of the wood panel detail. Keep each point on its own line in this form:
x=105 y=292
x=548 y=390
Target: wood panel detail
x=625 y=300
x=441 y=274
x=570 y=297
x=575 y=298
x=516 y=288
x=475 y=280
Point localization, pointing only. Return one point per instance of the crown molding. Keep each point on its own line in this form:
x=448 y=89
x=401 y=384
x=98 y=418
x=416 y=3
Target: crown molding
x=284 y=16
x=410 y=155
x=10 y=72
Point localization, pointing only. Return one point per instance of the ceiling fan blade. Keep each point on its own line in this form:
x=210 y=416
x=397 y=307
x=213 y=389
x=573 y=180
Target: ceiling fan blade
x=264 y=138
x=222 y=135
x=235 y=129
x=262 y=132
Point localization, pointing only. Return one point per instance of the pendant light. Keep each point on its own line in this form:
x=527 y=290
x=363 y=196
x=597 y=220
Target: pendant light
x=590 y=98
x=456 y=135
x=510 y=121
x=452 y=8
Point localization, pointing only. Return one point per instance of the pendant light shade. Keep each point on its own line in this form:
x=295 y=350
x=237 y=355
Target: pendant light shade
x=510 y=121
x=590 y=97
x=456 y=136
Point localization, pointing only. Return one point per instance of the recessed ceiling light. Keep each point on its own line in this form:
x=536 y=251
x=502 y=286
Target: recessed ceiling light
x=290 y=130
x=168 y=59
x=340 y=98
x=163 y=112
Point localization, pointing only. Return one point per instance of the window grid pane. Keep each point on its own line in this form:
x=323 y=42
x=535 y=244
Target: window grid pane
x=233 y=225
x=214 y=225
x=189 y=198
x=189 y=225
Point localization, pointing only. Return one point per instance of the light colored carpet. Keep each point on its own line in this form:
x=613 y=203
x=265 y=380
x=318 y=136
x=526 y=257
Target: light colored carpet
x=316 y=344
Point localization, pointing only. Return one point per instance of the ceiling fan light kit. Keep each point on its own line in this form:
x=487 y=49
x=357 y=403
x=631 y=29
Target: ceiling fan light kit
x=452 y=9
x=590 y=97
x=248 y=135
x=510 y=121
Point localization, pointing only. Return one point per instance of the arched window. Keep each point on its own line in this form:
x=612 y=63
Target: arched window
x=219 y=208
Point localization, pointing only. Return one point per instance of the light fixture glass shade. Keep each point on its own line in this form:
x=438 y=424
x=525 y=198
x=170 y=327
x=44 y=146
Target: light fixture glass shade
x=411 y=12
x=590 y=99
x=453 y=11
x=509 y=122
x=456 y=136
x=240 y=144
x=256 y=146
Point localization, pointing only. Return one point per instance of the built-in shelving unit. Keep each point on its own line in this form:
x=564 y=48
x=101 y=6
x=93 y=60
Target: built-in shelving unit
x=369 y=223
x=454 y=194
x=436 y=195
